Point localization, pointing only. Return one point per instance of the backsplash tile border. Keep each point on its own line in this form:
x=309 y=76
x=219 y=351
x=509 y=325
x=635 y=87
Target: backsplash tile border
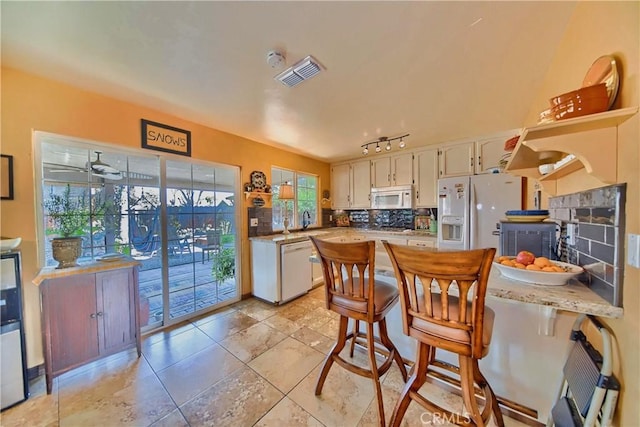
x=600 y=218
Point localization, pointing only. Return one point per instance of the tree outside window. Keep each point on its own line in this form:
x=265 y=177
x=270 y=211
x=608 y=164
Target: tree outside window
x=306 y=198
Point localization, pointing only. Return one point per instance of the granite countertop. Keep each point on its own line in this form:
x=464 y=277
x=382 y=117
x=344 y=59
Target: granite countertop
x=574 y=296
x=301 y=236
x=84 y=268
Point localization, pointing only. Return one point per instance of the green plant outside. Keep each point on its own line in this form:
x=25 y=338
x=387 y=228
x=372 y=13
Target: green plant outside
x=69 y=216
x=226 y=239
x=224 y=265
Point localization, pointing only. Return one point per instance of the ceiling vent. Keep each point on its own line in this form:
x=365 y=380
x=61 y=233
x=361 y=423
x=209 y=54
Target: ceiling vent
x=299 y=72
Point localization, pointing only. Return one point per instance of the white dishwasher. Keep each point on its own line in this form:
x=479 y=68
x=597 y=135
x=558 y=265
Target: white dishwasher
x=295 y=270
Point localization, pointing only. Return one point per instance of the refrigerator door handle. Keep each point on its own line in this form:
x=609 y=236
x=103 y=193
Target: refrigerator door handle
x=473 y=212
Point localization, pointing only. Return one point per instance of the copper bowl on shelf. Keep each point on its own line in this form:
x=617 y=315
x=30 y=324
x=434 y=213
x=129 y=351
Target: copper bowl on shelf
x=588 y=92
x=580 y=107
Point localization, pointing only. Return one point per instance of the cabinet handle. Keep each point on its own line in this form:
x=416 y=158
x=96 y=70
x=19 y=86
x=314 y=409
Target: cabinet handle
x=418 y=195
x=388 y=177
x=471 y=163
x=394 y=177
x=92 y=315
x=99 y=314
x=479 y=161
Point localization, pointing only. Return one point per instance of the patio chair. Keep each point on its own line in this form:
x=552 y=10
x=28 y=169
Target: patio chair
x=211 y=243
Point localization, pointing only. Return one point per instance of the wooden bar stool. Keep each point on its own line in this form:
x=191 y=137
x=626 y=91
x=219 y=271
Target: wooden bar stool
x=442 y=298
x=352 y=292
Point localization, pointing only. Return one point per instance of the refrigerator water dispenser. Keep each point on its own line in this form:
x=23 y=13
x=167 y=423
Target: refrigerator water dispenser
x=451 y=228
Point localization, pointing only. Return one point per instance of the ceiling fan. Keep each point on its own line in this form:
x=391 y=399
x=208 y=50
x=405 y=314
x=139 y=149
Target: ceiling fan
x=97 y=167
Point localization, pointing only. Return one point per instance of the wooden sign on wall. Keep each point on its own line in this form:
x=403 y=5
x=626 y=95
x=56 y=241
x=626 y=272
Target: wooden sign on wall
x=156 y=136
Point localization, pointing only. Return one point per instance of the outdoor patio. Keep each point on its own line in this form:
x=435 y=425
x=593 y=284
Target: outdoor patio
x=192 y=286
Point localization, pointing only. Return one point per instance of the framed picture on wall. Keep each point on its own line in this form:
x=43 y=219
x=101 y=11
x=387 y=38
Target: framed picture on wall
x=6 y=177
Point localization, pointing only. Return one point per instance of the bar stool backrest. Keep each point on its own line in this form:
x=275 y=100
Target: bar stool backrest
x=442 y=295
x=344 y=265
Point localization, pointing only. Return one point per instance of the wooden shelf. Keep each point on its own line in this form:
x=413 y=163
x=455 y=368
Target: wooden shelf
x=593 y=139
x=253 y=194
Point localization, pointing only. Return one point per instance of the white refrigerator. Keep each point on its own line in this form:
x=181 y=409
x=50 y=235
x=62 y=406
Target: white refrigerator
x=470 y=209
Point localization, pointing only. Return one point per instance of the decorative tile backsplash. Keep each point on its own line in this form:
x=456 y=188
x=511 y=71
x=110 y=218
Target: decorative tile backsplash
x=387 y=218
x=599 y=246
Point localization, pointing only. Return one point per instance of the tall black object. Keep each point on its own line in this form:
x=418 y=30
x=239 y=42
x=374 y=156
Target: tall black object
x=14 y=386
x=536 y=237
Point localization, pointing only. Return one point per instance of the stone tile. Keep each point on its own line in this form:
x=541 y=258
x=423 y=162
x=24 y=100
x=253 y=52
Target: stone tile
x=259 y=310
x=206 y=318
x=344 y=399
x=299 y=359
x=315 y=319
x=174 y=419
x=250 y=343
x=287 y=413
x=164 y=334
x=201 y=375
x=229 y=324
x=314 y=339
x=176 y=348
x=123 y=399
x=40 y=409
x=241 y=399
x=282 y=324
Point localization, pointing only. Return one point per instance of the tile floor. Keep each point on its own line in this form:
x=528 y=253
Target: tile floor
x=250 y=364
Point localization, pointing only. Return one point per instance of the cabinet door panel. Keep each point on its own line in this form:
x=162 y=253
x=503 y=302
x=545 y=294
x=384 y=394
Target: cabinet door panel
x=426 y=178
x=116 y=309
x=361 y=184
x=381 y=172
x=70 y=305
x=457 y=160
x=488 y=153
x=340 y=186
x=402 y=169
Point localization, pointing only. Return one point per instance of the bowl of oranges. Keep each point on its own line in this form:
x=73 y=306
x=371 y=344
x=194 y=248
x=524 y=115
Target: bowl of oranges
x=526 y=267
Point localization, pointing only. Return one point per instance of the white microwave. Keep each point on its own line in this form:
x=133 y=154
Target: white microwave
x=400 y=197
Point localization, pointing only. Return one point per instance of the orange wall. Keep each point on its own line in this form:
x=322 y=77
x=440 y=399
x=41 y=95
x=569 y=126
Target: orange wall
x=609 y=28
x=31 y=103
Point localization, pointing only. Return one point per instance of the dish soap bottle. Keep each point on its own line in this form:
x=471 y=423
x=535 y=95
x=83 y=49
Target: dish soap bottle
x=433 y=224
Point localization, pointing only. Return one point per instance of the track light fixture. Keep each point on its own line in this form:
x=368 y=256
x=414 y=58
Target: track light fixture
x=383 y=140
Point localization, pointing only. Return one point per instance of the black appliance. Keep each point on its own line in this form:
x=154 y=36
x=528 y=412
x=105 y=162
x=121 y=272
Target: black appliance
x=14 y=385
x=536 y=237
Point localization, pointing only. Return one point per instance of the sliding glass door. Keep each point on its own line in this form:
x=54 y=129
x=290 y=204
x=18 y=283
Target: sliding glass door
x=201 y=236
x=177 y=218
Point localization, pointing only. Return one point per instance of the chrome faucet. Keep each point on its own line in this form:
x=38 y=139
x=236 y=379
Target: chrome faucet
x=306 y=219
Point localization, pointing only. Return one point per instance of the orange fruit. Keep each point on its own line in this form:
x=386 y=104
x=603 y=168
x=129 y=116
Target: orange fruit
x=548 y=268
x=533 y=267
x=542 y=261
x=507 y=262
x=518 y=265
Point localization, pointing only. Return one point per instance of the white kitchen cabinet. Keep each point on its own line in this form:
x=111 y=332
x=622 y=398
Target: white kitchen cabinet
x=488 y=153
x=340 y=186
x=382 y=257
x=457 y=159
x=425 y=173
x=392 y=170
x=351 y=185
x=423 y=243
x=280 y=272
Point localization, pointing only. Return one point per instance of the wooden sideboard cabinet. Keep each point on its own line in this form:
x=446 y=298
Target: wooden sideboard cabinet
x=87 y=316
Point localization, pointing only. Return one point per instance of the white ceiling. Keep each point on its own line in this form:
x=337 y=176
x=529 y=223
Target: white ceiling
x=436 y=70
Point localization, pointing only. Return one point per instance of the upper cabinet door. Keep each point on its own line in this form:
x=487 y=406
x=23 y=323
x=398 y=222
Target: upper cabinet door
x=402 y=169
x=426 y=177
x=340 y=186
x=361 y=184
x=381 y=172
x=457 y=159
x=488 y=153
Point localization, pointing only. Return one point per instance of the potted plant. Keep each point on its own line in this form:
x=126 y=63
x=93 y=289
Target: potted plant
x=68 y=218
x=224 y=265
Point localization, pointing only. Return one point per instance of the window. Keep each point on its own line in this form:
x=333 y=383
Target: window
x=304 y=208
x=177 y=218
